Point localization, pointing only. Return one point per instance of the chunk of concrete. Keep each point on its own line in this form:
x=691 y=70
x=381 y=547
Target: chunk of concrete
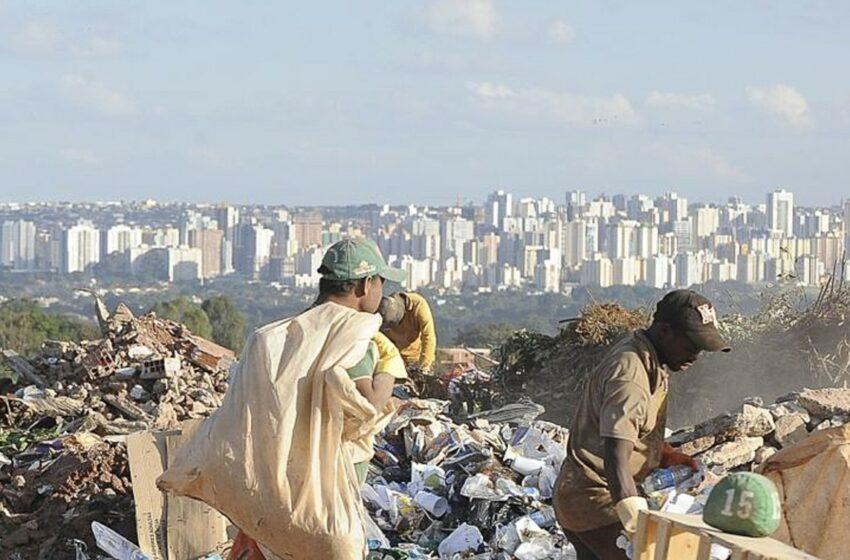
x=732 y=453
x=790 y=429
x=825 y=403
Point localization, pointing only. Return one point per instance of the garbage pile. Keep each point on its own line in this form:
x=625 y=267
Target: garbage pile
x=62 y=460
x=479 y=489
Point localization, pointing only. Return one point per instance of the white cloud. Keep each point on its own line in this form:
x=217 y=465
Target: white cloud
x=96 y=96
x=696 y=101
x=560 y=32
x=35 y=38
x=78 y=156
x=566 y=108
x=784 y=102
x=475 y=19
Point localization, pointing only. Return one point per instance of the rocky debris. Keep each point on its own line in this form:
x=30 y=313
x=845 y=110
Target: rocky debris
x=744 y=439
x=732 y=454
x=790 y=429
x=751 y=421
x=824 y=403
x=61 y=428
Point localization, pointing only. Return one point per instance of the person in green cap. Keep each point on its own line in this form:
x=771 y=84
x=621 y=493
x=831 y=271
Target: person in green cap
x=352 y=275
x=617 y=431
x=353 y=272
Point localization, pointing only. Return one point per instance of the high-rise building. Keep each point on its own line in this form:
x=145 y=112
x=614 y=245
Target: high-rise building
x=575 y=204
x=688 y=269
x=119 y=238
x=780 y=212
x=499 y=206
x=674 y=206
x=80 y=247
x=574 y=243
x=308 y=229
x=846 y=222
x=660 y=272
x=17 y=245
x=185 y=264
x=597 y=271
x=256 y=249
x=209 y=241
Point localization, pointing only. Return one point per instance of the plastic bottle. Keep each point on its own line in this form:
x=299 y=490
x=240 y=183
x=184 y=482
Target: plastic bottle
x=659 y=479
x=114 y=544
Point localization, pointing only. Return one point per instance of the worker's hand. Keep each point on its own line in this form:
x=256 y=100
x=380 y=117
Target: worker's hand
x=628 y=510
x=670 y=457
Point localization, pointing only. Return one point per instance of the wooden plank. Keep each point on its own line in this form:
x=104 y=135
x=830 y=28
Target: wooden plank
x=146 y=456
x=662 y=539
x=193 y=528
x=649 y=535
x=766 y=547
x=644 y=521
x=739 y=554
x=683 y=543
x=704 y=551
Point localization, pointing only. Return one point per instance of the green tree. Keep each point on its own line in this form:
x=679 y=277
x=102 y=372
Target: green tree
x=24 y=326
x=228 y=323
x=184 y=311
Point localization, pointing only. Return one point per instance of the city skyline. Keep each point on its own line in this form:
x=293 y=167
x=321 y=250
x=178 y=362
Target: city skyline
x=508 y=242
x=426 y=100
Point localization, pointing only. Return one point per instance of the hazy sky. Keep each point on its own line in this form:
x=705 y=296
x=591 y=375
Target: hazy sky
x=422 y=101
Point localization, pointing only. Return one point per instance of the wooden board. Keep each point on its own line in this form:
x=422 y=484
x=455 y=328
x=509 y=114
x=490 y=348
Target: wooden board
x=194 y=528
x=169 y=527
x=146 y=454
x=673 y=536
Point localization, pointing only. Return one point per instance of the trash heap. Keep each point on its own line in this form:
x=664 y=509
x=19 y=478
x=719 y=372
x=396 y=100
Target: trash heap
x=479 y=489
x=62 y=460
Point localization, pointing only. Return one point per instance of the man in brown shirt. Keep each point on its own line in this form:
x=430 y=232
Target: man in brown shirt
x=617 y=433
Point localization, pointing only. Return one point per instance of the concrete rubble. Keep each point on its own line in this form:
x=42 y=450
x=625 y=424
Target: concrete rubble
x=63 y=462
x=742 y=440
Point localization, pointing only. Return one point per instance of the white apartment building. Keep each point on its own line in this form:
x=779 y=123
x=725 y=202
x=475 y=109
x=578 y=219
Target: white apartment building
x=780 y=212
x=80 y=247
x=17 y=245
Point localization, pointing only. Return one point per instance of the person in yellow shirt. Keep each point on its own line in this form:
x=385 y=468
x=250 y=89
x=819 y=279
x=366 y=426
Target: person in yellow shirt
x=408 y=323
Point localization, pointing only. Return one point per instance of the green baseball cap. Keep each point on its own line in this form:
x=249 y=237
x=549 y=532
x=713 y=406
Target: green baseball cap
x=353 y=259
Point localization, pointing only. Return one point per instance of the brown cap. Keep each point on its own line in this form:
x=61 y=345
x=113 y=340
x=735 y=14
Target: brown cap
x=695 y=316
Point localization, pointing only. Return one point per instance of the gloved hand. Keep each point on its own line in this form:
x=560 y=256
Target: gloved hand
x=628 y=510
x=670 y=457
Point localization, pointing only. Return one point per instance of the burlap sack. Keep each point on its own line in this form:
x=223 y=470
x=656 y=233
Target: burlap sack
x=813 y=479
x=274 y=458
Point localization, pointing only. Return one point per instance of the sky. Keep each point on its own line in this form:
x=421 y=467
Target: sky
x=422 y=101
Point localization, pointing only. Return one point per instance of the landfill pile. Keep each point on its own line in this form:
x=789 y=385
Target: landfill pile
x=550 y=369
x=63 y=463
x=478 y=489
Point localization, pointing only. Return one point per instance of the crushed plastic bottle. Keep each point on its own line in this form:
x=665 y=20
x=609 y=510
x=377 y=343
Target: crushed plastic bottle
x=659 y=479
x=115 y=545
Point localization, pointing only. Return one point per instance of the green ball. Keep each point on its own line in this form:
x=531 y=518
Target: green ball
x=744 y=504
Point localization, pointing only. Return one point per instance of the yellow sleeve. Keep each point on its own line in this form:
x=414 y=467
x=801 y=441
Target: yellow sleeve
x=389 y=360
x=427 y=333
